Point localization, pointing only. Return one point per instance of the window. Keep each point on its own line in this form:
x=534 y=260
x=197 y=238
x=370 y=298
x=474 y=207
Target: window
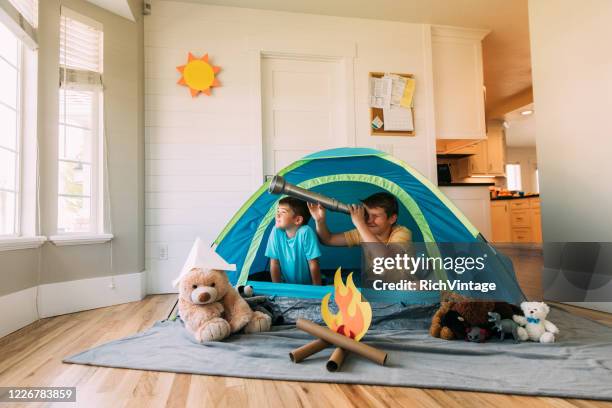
x=28 y=9
x=513 y=177
x=10 y=135
x=80 y=159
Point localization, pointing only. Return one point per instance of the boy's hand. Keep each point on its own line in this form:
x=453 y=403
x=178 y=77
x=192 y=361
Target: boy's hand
x=357 y=215
x=317 y=211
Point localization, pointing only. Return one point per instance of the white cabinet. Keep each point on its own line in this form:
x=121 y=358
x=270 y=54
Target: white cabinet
x=474 y=203
x=458 y=82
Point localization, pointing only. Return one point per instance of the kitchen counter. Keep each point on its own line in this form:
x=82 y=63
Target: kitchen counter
x=465 y=184
x=473 y=201
x=514 y=198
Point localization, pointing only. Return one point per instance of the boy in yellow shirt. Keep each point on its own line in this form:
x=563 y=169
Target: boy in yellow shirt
x=380 y=225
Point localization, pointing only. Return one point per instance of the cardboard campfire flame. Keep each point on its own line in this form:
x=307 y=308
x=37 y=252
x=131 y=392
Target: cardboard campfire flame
x=354 y=311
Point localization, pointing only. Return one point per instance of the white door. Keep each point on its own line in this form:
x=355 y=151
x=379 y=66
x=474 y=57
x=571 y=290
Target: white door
x=304 y=109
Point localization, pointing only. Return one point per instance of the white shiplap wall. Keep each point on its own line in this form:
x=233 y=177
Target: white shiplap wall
x=201 y=152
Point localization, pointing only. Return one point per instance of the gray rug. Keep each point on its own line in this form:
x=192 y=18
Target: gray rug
x=579 y=365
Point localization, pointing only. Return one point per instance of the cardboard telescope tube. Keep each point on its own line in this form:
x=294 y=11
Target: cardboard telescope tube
x=348 y=344
x=307 y=350
x=279 y=185
x=335 y=361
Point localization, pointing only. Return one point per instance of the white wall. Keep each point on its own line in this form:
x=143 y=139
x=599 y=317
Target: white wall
x=527 y=158
x=571 y=65
x=202 y=153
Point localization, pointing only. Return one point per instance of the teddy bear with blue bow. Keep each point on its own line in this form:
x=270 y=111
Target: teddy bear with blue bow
x=534 y=325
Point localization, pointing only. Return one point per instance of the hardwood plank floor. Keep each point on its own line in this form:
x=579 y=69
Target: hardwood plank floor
x=32 y=357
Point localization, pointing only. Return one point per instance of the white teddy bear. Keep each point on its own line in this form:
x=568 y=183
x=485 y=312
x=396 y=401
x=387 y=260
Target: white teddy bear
x=535 y=326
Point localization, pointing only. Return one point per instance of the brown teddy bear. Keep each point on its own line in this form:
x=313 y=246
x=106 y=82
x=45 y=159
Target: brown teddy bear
x=466 y=314
x=212 y=309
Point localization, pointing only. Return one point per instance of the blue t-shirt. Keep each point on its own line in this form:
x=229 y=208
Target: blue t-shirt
x=294 y=253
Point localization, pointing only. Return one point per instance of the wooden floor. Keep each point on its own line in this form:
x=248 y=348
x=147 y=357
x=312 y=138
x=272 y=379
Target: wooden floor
x=32 y=357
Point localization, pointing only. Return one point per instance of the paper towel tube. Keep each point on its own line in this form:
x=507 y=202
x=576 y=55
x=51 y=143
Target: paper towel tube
x=307 y=350
x=279 y=185
x=335 y=361
x=348 y=344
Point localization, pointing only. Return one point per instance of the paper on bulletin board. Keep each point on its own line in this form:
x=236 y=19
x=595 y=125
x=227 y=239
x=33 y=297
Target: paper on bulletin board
x=397 y=88
x=407 y=97
x=398 y=118
x=380 y=92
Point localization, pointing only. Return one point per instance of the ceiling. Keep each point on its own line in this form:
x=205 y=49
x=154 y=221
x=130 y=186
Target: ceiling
x=119 y=7
x=507 y=63
x=520 y=131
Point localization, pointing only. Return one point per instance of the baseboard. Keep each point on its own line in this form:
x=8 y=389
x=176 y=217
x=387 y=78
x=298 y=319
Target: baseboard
x=159 y=284
x=18 y=310
x=84 y=294
x=600 y=306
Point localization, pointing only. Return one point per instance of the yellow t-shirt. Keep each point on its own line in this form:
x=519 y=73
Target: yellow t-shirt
x=399 y=234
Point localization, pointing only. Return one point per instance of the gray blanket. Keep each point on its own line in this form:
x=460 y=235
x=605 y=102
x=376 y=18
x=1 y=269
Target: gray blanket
x=579 y=365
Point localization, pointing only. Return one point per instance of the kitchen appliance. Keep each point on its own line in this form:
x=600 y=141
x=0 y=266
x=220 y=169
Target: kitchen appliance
x=444 y=173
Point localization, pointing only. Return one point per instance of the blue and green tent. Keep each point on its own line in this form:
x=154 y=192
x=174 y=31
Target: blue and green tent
x=351 y=174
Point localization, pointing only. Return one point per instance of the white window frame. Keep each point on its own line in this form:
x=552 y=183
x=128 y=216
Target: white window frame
x=18 y=142
x=96 y=224
x=95 y=234
x=510 y=174
x=26 y=229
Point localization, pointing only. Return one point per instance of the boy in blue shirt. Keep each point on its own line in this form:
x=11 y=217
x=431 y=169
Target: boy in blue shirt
x=293 y=247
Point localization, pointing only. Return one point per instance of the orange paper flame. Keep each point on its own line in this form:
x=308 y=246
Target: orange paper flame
x=354 y=312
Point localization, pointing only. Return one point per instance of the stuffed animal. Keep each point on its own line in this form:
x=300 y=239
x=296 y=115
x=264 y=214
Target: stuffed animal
x=535 y=326
x=477 y=335
x=456 y=323
x=212 y=309
x=504 y=326
x=246 y=291
x=261 y=304
x=473 y=312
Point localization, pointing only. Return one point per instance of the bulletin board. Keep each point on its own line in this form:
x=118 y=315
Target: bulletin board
x=374 y=112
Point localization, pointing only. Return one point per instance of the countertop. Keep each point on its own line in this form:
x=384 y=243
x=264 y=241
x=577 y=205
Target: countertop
x=465 y=184
x=515 y=198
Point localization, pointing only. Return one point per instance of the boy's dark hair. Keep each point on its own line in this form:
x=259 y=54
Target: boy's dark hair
x=384 y=200
x=298 y=206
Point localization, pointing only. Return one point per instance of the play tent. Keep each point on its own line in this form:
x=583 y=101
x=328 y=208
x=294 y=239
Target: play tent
x=350 y=174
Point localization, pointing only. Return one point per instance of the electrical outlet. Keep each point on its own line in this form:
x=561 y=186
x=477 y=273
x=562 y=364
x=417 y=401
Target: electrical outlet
x=162 y=252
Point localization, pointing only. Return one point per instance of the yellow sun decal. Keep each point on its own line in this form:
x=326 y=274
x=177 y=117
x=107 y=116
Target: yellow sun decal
x=198 y=74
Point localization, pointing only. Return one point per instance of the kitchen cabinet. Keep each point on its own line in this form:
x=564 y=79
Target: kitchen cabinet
x=496 y=150
x=461 y=169
x=516 y=220
x=489 y=156
x=500 y=221
x=458 y=82
x=478 y=162
x=536 y=224
x=456 y=146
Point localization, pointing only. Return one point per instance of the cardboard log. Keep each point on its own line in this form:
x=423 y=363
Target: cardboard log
x=306 y=350
x=348 y=344
x=335 y=361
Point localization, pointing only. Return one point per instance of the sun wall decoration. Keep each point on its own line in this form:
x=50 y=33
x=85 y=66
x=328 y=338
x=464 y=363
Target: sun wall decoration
x=198 y=74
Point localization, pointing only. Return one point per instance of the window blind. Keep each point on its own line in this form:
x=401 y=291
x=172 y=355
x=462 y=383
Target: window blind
x=80 y=50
